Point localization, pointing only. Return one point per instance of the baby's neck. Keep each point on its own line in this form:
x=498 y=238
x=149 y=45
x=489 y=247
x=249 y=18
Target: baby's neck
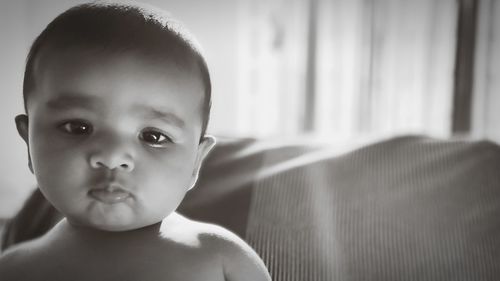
x=92 y=237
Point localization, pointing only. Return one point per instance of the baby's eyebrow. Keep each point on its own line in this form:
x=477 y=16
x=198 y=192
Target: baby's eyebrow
x=71 y=101
x=145 y=111
x=150 y=112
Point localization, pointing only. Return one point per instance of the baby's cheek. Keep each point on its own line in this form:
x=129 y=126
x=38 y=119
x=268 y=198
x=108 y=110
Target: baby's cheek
x=172 y=167
x=164 y=188
x=175 y=179
x=55 y=167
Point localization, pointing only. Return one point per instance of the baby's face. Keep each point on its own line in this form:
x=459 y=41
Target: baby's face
x=114 y=140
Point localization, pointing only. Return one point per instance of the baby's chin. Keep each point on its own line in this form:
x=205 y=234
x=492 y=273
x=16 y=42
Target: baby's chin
x=112 y=220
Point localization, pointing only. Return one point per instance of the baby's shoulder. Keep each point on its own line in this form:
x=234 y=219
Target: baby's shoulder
x=186 y=231
x=18 y=259
x=205 y=236
x=238 y=260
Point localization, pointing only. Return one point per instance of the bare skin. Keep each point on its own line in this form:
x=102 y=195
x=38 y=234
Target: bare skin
x=176 y=249
x=114 y=142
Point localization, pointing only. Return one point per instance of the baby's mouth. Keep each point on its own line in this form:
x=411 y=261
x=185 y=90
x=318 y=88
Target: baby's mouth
x=110 y=193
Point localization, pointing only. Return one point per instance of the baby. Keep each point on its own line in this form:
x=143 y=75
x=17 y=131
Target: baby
x=117 y=100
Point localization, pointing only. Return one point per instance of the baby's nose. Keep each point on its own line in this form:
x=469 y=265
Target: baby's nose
x=113 y=163
x=114 y=158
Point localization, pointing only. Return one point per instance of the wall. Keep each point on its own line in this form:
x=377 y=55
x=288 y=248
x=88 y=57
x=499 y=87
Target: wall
x=213 y=22
x=15 y=179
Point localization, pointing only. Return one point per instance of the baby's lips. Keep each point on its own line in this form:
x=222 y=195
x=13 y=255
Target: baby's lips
x=110 y=194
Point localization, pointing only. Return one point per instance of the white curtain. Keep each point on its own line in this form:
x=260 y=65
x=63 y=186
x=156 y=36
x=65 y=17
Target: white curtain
x=272 y=66
x=380 y=67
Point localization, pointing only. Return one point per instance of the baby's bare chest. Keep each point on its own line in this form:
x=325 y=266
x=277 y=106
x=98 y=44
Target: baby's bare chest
x=138 y=265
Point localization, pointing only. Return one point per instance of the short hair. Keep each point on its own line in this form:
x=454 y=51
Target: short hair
x=120 y=27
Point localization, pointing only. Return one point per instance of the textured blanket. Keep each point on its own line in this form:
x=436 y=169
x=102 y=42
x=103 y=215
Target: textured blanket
x=410 y=208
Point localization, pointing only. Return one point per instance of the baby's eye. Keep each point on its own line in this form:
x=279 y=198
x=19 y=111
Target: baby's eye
x=154 y=138
x=76 y=127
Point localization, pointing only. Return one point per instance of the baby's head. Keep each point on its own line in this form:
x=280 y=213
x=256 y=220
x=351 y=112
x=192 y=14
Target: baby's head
x=104 y=29
x=117 y=100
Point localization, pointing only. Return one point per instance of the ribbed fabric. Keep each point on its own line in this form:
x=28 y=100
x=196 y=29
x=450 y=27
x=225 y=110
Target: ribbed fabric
x=404 y=209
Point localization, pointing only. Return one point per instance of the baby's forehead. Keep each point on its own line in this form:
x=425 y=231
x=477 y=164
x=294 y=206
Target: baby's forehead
x=141 y=64
x=179 y=59
x=99 y=71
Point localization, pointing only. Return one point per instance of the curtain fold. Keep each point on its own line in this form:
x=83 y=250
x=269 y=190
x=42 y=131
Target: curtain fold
x=486 y=98
x=382 y=67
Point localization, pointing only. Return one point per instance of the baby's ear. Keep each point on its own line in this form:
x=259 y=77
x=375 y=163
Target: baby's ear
x=205 y=146
x=23 y=128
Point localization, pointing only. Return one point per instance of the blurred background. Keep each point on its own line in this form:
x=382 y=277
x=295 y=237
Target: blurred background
x=339 y=70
